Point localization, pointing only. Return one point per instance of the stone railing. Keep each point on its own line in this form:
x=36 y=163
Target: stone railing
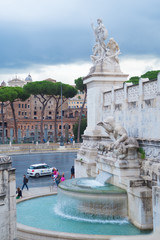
x=137 y=107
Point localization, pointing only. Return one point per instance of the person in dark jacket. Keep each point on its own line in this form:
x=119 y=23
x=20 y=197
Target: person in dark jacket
x=72 y=172
x=25 y=181
x=19 y=193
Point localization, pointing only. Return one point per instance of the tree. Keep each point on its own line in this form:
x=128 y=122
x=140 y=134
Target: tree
x=82 y=87
x=134 y=80
x=3 y=100
x=82 y=128
x=43 y=91
x=11 y=95
x=67 y=92
x=151 y=75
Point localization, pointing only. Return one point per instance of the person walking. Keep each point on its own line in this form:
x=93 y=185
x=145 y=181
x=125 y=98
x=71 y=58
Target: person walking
x=72 y=172
x=25 y=181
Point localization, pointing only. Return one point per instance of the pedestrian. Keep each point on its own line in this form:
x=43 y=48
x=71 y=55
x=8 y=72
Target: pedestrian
x=72 y=172
x=58 y=179
x=54 y=172
x=25 y=181
x=62 y=178
x=19 y=193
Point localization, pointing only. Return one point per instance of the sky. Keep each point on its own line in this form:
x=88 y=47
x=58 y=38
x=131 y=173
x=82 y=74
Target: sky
x=54 y=38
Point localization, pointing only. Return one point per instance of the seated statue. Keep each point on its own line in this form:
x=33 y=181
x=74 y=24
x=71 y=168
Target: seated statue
x=121 y=142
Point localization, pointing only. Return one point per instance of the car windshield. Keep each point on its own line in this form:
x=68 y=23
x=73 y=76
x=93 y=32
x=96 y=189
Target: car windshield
x=39 y=167
x=32 y=167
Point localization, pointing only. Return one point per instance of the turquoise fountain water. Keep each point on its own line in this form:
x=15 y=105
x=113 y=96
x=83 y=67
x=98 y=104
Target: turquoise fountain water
x=81 y=206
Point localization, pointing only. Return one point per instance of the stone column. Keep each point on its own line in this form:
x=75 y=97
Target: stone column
x=7 y=199
x=97 y=83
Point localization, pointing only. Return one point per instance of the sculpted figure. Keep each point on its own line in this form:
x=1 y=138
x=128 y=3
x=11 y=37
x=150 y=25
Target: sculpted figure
x=112 y=50
x=104 y=53
x=121 y=141
x=101 y=34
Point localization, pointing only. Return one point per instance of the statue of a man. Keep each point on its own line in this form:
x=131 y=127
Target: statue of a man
x=119 y=136
x=101 y=34
x=115 y=131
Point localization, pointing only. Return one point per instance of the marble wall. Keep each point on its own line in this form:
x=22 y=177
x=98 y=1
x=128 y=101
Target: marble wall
x=7 y=199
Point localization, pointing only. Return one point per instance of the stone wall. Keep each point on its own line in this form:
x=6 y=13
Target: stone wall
x=136 y=107
x=7 y=200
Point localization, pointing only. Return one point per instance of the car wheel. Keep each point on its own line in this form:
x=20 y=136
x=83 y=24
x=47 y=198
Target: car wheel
x=37 y=175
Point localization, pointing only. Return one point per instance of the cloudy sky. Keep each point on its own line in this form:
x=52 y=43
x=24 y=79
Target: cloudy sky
x=54 y=38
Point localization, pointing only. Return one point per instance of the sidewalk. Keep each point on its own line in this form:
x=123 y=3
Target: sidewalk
x=39 y=148
x=37 y=192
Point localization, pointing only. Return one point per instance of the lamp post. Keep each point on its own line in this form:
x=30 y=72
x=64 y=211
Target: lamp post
x=61 y=140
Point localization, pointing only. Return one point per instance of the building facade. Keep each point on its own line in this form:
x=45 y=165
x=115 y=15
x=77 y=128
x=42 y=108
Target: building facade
x=28 y=117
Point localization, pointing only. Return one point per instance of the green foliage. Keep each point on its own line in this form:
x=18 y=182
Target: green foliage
x=40 y=88
x=151 y=75
x=134 y=80
x=12 y=94
x=47 y=88
x=83 y=127
x=79 y=84
x=142 y=152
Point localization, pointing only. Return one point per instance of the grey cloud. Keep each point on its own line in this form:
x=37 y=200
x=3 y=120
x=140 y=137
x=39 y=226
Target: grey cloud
x=68 y=37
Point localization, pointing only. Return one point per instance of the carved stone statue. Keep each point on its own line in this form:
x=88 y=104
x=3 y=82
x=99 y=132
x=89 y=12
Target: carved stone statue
x=123 y=147
x=105 y=54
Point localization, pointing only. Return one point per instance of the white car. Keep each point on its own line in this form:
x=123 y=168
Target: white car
x=37 y=170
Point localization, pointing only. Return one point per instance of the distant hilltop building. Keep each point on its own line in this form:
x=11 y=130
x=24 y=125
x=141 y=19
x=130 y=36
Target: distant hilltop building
x=3 y=84
x=16 y=82
x=28 y=78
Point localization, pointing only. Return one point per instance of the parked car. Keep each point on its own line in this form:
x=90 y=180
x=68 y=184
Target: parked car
x=37 y=170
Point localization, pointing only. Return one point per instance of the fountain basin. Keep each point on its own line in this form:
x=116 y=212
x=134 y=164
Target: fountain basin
x=88 y=196
x=38 y=219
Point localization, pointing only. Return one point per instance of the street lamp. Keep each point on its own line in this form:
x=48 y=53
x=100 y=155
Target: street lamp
x=61 y=139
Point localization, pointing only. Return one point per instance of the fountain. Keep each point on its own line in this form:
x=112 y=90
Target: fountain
x=82 y=206
x=93 y=203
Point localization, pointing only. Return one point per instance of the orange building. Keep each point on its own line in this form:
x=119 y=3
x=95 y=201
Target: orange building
x=28 y=117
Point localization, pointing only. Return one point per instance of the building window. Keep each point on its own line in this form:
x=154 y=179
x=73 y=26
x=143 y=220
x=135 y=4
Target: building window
x=35 y=108
x=19 y=105
x=35 y=102
x=19 y=113
x=35 y=113
x=22 y=113
x=35 y=117
x=22 y=105
x=50 y=126
x=24 y=127
x=59 y=126
x=25 y=105
x=28 y=106
x=25 y=113
x=50 y=112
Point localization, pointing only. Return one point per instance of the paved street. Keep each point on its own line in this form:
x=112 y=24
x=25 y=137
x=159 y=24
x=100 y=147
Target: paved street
x=61 y=160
